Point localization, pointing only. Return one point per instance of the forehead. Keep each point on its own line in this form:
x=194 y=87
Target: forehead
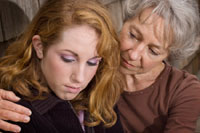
x=81 y=39
x=160 y=29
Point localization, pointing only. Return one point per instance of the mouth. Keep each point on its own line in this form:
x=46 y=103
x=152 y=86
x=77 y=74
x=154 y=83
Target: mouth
x=72 y=89
x=125 y=62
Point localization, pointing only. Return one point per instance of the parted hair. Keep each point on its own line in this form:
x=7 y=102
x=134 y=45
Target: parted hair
x=181 y=19
x=20 y=69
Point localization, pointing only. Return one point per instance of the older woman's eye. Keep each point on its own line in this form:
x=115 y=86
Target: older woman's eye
x=131 y=35
x=94 y=62
x=67 y=58
x=153 y=52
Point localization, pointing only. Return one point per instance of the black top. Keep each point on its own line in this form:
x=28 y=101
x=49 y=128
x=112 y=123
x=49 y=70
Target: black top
x=54 y=115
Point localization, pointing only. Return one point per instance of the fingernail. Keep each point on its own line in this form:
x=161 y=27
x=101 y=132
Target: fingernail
x=26 y=119
x=29 y=112
x=17 y=129
x=17 y=98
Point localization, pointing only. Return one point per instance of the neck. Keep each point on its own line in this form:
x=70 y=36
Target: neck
x=136 y=82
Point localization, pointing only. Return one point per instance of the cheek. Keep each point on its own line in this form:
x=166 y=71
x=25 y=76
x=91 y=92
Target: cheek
x=53 y=69
x=150 y=63
x=90 y=74
x=54 y=66
x=125 y=43
x=122 y=41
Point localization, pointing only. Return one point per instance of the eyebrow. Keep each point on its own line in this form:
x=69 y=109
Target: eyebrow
x=77 y=54
x=95 y=57
x=71 y=52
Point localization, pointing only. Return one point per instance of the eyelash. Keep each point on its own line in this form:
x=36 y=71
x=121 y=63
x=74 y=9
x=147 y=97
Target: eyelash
x=153 y=52
x=66 y=59
x=131 y=35
x=93 y=64
x=88 y=62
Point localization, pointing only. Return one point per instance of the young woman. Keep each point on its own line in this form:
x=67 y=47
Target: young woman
x=65 y=68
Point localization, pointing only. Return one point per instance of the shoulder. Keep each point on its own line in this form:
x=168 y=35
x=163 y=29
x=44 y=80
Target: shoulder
x=25 y=127
x=177 y=84
x=38 y=119
x=25 y=103
x=181 y=86
x=174 y=77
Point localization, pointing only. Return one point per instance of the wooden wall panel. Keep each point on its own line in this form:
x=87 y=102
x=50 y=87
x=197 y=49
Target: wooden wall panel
x=105 y=2
x=41 y=2
x=30 y=7
x=13 y=20
x=1 y=34
x=115 y=8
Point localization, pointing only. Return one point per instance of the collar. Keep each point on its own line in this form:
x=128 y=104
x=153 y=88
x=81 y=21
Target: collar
x=43 y=106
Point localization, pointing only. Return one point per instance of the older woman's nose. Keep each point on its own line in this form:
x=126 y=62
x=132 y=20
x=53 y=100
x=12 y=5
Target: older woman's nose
x=136 y=52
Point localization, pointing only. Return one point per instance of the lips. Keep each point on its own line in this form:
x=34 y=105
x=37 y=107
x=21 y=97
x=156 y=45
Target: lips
x=72 y=89
x=127 y=64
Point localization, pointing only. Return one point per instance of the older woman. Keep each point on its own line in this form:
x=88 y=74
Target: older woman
x=158 y=97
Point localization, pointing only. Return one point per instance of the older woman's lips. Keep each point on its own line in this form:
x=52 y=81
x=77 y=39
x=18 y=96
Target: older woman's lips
x=126 y=63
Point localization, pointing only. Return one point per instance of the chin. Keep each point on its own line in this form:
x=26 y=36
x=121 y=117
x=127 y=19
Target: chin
x=66 y=97
x=69 y=97
x=125 y=71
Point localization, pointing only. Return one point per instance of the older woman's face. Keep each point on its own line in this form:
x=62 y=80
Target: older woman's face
x=142 y=47
x=71 y=63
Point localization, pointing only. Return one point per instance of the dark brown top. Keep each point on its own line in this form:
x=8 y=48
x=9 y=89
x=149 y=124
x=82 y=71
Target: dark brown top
x=170 y=105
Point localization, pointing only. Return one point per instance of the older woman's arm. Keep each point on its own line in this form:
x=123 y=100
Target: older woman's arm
x=185 y=107
x=11 y=111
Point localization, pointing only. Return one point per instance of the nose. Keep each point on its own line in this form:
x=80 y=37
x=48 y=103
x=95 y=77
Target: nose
x=78 y=74
x=136 y=52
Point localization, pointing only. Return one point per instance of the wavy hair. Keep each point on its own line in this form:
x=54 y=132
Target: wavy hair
x=182 y=23
x=20 y=69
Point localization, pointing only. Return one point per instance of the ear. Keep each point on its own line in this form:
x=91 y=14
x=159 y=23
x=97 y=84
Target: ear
x=37 y=45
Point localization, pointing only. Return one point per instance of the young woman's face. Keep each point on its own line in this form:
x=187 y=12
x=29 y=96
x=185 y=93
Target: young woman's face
x=70 y=64
x=142 y=47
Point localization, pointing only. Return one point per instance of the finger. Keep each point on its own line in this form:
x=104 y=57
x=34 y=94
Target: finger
x=8 y=95
x=12 y=116
x=10 y=106
x=9 y=127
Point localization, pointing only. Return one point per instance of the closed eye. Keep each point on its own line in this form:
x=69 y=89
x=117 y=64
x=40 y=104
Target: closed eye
x=131 y=35
x=67 y=59
x=94 y=62
x=153 y=52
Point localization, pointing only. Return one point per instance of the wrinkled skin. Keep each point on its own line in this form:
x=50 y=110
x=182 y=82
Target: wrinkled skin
x=11 y=111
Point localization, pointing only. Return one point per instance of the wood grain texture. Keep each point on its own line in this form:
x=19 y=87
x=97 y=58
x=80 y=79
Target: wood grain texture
x=41 y=2
x=13 y=20
x=30 y=7
x=1 y=34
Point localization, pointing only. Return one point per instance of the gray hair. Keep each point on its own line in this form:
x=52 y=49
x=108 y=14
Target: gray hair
x=181 y=15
